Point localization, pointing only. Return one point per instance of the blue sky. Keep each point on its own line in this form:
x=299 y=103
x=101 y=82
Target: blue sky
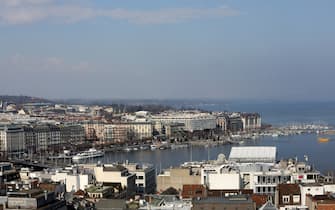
x=226 y=49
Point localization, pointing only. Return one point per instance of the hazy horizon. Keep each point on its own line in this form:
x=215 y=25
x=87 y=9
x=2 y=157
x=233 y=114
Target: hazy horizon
x=161 y=50
x=178 y=100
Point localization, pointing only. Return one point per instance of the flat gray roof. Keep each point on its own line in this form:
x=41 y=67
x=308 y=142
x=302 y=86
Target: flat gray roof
x=253 y=154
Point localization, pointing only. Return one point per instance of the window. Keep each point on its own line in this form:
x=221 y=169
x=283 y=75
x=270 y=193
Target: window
x=296 y=198
x=140 y=177
x=286 y=198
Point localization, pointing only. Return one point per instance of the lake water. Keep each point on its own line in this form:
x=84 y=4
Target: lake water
x=280 y=113
x=321 y=155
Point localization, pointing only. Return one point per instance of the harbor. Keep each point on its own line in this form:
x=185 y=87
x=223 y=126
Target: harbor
x=298 y=146
x=319 y=154
x=166 y=153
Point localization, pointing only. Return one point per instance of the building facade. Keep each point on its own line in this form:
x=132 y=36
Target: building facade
x=193 y=121
x=117 y=176
x=72 y=134
x=176 y=178
x=48 y=137
x=145 y=177
x=251 y=121
x=12 y=139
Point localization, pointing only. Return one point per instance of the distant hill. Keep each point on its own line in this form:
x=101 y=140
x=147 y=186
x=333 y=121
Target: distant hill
x=23 y=99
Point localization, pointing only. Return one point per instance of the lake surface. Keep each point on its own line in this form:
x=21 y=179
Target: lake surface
x=321 y=155
x=280 y=113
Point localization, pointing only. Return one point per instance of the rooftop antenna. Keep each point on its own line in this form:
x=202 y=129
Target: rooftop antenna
x=191 y=154
x=208 y=156
x=306 y=158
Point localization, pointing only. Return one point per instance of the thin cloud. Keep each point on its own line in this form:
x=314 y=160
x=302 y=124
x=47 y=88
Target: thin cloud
x=32 y=11
x=172 y=15
x=18 y=3
x=40 y=64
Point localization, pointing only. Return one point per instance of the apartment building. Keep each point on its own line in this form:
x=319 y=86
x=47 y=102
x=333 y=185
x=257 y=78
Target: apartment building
x=12 y=138
x=145 y=177
x=193 y=121
x=117 y=176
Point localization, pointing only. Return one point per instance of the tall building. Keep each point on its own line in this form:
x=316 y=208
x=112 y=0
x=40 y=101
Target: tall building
x=94 y=130
x=235 y=123
x=115 y=133
x=127 y=131
x=251 y=121
x=30 y=138
x=71 y=134
x=12 y=138
x=47 y=137
x=222 y=122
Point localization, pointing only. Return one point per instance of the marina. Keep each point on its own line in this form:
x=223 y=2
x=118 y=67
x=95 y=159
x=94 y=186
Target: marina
x=299 y=146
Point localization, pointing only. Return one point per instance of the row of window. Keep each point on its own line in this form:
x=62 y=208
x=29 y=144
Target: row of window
x=139 y=177
x=265 y=189
x=272 y=179
x=286 y=199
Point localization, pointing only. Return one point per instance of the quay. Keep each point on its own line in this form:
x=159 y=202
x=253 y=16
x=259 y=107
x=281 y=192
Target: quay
x=37 y=164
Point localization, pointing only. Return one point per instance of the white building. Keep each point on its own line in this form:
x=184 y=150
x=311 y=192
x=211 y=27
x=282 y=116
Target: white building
x=73 y=180
x=72 y=177
x=122 y=131
x=329 y=188
x=193 y=121
x=145 y=177
x=312 y=189
x=117 y=175
x=251 y=121
x=261 y=173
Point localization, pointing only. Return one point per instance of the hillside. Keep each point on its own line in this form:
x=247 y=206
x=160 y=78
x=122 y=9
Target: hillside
x=23 y=99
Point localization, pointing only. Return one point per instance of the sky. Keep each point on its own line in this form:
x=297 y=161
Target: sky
x=161 y=49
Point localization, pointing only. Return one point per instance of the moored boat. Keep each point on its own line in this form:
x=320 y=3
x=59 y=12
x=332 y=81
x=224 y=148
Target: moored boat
x=323 y=139
x=91 y=153
x=153 y=146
